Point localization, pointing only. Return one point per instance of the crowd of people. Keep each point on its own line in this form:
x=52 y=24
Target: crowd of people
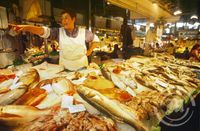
x=178 y=49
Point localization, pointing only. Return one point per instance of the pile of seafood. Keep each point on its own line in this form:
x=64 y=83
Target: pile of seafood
x=45 y=105
x=136 y=93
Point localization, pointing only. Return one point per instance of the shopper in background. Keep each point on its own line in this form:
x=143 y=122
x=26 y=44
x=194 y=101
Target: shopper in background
x=115 y=52
x=133 y=34
x=72 y=40
x=126 y=37
x=186 y=53
x=195 y=53
x=150 y=36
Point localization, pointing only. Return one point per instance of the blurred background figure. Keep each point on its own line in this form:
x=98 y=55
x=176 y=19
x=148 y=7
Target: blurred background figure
x=116 y=51
x=186 y=53
x=126 y=37
x=150 y=36
x=195 y=53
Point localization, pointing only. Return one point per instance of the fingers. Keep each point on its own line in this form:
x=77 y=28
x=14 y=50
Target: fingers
x=17 y=28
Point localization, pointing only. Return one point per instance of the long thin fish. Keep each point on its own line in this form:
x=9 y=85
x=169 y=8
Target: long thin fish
x=15 y=115
x=116 y=110
x=12 y=95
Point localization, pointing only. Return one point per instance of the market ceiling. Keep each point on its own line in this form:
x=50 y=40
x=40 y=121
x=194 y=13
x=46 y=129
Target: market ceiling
x=148 y=10
x=187 y=6
x=154 y=9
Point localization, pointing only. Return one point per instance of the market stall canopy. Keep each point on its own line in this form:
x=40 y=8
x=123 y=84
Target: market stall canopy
x=142 y=9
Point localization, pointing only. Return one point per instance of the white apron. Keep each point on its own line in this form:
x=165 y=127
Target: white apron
x=72 y=50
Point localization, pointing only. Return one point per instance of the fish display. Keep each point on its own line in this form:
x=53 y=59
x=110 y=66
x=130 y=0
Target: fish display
x=11 y=96
x=46 y=93
x=115 y=109
x=63 y=120
x=143 y=112
x=140 y=74
x=12 y=90
x=15 y=115
x=138 y=92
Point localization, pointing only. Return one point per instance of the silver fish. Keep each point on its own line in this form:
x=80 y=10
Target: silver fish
x=13 y=95
x=30 y=77
x=15 y=115
x=117 y=110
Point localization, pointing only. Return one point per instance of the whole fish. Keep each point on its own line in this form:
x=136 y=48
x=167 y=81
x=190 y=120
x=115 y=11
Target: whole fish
x=13 y=95
x=117 y=110
x=31 y=97
x=15 y=115
x=30 y=77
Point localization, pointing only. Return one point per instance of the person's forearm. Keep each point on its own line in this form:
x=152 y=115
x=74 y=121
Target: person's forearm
x=34 y=29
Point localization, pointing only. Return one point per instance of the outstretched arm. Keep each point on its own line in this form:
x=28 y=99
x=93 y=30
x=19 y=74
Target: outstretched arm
x=29 y=28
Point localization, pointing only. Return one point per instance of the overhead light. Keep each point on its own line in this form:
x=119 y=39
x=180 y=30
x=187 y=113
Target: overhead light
x=178 y=12
x=167 y=30
x=153 y=1
x=108 y=3
x=194 y=17
x=151 y=25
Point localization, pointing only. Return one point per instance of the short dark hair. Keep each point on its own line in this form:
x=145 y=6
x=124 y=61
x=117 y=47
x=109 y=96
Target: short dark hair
x=71 y=12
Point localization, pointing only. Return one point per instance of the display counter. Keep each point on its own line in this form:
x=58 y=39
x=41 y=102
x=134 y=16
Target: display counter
x=139 y=93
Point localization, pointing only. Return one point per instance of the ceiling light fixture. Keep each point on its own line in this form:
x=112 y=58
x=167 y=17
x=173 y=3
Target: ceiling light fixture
x=177 y=12
x=154 y=2
x=194 y=17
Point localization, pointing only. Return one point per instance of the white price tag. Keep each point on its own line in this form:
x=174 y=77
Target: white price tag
x=58 y=89
x=15 y=80
x=79 y=81
x=19 y=73
x=161 y=83
x=97 y=71
x=47 y=87
x=66 y=101
x=76 y=108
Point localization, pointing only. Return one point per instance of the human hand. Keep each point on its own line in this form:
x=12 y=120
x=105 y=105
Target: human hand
x=93 y=45
x=17 y=28
x=88 y=53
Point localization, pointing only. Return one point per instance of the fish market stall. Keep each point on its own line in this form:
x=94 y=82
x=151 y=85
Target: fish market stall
x=145 y=91
x=133 y=94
